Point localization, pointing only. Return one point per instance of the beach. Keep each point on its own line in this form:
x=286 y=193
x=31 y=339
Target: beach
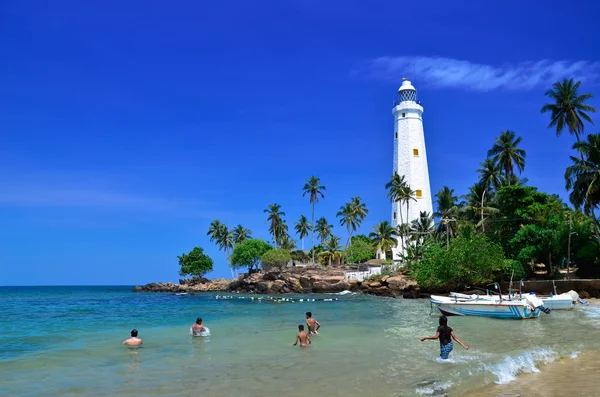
x=66 y=341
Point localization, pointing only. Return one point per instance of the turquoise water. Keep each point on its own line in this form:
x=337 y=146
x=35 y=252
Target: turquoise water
x=66 y=341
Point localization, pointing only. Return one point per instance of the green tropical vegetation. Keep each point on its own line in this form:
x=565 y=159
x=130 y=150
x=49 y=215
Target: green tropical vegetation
x=500 y=228
x=195 y=263
x=275 y=258
x=249 y=254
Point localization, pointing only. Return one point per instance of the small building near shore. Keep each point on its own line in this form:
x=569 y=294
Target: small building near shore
x=361 y=272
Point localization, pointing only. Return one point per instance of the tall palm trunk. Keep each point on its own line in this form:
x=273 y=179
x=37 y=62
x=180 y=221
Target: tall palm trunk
x=227 y=262
x=401 y=223
x=302 y=241
x=313 y=233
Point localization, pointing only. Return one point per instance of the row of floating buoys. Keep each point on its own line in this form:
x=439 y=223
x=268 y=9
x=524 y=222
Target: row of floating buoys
x=273 y=299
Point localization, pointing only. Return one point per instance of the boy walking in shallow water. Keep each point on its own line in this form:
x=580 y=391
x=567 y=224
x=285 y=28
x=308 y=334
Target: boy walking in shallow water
x=302 y=337
x=445 y=334
x=311 y=322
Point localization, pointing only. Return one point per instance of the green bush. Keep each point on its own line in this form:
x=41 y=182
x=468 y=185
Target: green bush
x=275 y=258
x=360 y=250
x=195 y=263
x=510 y=265
x=470 y=260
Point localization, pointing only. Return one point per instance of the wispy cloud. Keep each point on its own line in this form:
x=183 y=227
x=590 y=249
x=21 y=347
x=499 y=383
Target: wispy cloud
x=461 y=74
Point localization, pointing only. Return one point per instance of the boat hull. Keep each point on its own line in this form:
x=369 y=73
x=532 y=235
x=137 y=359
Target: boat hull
x=558 y=302
x=493 y=309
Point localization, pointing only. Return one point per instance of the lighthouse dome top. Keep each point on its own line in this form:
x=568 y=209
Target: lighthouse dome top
x=406 y=85
x=406 y=92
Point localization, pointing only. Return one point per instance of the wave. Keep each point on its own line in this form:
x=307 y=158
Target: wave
x=501 y=372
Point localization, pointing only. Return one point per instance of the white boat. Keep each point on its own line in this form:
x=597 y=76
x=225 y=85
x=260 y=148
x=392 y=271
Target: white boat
x=468 y=305
x=564 y=301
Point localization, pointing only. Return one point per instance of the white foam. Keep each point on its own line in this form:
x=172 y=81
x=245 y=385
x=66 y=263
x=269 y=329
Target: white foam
x=434 y=388
x=507 y=370
x=204 y=333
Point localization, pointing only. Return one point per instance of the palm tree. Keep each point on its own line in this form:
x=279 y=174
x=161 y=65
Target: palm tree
x=407 y=195
x=384 y=236
x=421 y=228
x=506 y=154
x=569 y=108
x=349 y=218
x=222 y=237
x=274 y=217
x=313 y=188
x=302 y=227
x=447 y=207
x=323 y=229
x=287 y=243
x=360 y=208
x=332 y=247
x=478 y=204
x=241 y=234
x=490 y=174
x=583 y=177
x=395 y=188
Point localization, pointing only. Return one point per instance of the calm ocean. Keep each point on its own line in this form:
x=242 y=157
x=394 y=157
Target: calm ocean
x=66 y=341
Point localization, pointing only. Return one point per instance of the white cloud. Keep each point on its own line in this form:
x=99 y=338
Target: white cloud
x=456 y=73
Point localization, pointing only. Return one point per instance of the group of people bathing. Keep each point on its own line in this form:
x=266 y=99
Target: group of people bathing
x=198 y=329
x=444 y=333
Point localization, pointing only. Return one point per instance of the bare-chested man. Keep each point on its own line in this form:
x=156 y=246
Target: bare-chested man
x=198 y=328
x=311 y=322
x=302 y=337
x=134 y=340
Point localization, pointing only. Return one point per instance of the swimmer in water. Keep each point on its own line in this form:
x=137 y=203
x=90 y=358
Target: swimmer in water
x=134 y=340
x=311 y=322
x=445 y=334
x=197 y=327
x=302 y=337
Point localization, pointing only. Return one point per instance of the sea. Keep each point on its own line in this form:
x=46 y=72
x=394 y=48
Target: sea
x=67 y=341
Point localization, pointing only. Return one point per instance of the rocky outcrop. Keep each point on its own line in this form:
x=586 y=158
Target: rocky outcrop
x=292 y=281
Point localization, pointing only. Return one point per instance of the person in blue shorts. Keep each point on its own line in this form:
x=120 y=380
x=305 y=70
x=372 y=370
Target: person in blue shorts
x=445 y=334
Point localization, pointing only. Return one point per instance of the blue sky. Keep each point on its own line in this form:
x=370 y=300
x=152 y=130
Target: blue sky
x=126 y=127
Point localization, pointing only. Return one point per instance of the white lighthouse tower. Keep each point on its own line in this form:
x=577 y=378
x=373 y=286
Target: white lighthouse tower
x=410 y=158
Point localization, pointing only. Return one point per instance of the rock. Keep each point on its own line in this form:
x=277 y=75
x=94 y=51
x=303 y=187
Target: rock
x=584 y=295
x=137 y=288
x=411 y=293
x=353 y=285
x=272 y=276
x=374 y=284
x=384 y=279
x=333 y=279
x=399 y=283
x=306 y=282
x=277 y=286
x=264 y=287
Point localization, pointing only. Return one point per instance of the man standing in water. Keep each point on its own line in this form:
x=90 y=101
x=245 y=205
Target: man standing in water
x=134 y=340
x=197 y=327
x=302 y=337
x=311 y=322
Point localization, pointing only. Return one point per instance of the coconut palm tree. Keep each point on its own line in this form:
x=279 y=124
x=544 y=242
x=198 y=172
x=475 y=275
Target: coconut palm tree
x=360 y=208
x=421 y=228
x=384 y=236
x=287 y=242
x=349 y=218
x=407 y=195
x=490 y=174
x=314 y=189
x=323 y=229
x=583 y=177
x=447 y=207
x=332 y=247
x=222 y=237
x=395 y=188
x=276 y=222
x=478 y=204
x=302 y=227
x=568 y=108
x=241 y=234
x=506 y=154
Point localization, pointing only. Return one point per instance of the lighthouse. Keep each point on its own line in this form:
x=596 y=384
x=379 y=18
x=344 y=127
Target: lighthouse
x=410 y=158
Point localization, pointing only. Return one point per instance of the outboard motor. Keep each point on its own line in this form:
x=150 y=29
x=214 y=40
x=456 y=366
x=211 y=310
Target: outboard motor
x=536 y=303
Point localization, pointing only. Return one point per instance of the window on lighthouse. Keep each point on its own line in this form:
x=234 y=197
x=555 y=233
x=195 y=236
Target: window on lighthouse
x=415 y=152
x=394 y=215
x=419 y=193
x=396 y=134
x=403 y=114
